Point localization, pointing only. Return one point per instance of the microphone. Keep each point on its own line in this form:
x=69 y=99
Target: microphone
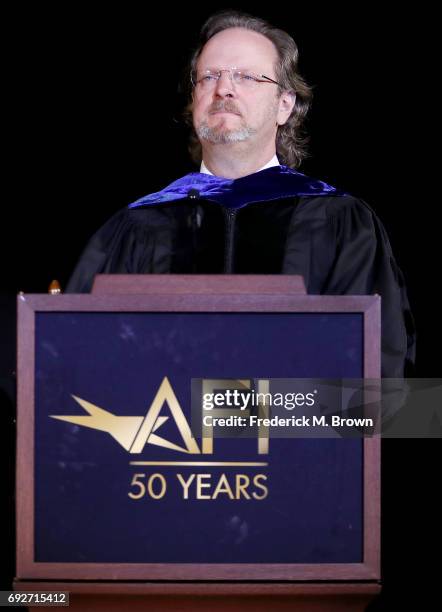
x=193 y=194
x=194 y=220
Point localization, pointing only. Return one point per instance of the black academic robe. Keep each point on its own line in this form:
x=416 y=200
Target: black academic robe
x=336 y=243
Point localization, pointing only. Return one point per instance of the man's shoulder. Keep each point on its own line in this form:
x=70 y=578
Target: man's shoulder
x=144 y=215
x=335 y=205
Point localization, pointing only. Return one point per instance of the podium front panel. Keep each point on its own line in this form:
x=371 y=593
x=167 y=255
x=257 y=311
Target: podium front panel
x=110 y=499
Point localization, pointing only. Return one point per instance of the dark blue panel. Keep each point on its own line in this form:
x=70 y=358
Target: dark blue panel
x=117 y=361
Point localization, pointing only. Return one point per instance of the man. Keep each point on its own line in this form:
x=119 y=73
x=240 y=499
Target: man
x=244 y=212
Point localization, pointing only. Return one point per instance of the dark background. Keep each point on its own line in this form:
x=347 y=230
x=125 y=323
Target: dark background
x=91 y=123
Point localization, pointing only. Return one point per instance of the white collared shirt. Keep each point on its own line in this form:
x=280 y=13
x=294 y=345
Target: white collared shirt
x=273 y=162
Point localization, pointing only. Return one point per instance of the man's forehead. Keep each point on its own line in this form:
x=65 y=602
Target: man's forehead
x=237 y=47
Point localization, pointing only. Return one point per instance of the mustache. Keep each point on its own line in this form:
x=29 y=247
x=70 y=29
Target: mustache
x=222 y=105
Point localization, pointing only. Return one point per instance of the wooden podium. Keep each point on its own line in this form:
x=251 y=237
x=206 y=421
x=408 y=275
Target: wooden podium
x=109 y=506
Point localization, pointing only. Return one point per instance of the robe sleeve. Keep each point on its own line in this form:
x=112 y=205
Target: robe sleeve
x=123 y=245
x=364 y=264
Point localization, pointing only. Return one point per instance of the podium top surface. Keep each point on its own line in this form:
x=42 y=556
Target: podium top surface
x=105 y=284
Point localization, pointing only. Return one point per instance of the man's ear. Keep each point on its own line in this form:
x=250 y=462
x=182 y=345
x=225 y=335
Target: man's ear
x=287 y=102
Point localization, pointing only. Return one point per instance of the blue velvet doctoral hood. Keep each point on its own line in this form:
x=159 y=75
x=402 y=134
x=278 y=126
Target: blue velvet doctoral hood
x=273 y=183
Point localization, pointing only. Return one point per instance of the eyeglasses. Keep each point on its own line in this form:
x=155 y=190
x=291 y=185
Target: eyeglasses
x=208 y=79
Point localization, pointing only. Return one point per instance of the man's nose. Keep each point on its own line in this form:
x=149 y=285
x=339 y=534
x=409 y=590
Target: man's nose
x=224 y=85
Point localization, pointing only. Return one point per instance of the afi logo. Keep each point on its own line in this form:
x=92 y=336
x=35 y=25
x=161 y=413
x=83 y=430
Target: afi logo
x=134 y=432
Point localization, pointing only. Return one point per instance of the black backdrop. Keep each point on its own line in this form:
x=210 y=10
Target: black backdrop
x=92 y=123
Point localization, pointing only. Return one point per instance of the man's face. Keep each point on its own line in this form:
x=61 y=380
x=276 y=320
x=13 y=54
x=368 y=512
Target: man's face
x=226 y=112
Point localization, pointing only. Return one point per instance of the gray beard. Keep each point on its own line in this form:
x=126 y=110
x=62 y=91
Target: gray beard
x=217 y=136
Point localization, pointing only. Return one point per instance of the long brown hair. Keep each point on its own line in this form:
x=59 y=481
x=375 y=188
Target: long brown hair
x=291 y=140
